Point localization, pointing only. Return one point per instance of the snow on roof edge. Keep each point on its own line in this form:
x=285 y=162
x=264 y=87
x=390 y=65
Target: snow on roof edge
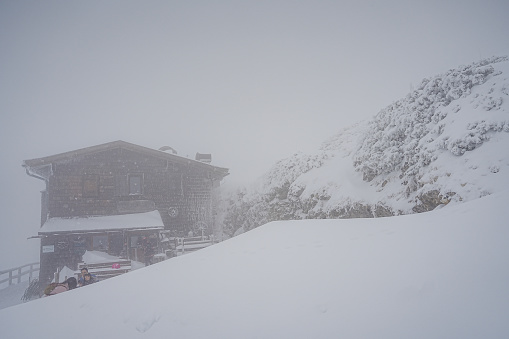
x=102 y=223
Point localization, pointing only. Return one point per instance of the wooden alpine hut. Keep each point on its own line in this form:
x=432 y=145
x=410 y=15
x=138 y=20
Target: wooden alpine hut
x=110 y=196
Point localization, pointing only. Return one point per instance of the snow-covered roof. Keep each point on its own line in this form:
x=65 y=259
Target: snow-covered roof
x=40 y=164
x=145 y=220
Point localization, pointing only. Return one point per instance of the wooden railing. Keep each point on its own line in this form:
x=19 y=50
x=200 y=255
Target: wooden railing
x=185 y=245
x=15 y=274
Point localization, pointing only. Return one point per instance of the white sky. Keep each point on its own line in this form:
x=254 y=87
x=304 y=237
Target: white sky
x=440 y=275
x=250 y=83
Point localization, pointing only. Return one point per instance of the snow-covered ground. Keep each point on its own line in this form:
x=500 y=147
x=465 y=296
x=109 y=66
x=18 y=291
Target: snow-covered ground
x=11 y=295
x=440 y=274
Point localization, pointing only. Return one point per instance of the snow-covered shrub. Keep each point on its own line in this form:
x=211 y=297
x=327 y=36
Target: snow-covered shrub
x=33 y=291
x=398 y=134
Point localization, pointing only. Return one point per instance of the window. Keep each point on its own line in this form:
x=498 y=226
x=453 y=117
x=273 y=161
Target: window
x=90 y=185
x=135 y=184
x=134 y=241
x=100 y=243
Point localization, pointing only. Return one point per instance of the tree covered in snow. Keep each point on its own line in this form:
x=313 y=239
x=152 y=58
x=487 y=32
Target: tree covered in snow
x=414 y=155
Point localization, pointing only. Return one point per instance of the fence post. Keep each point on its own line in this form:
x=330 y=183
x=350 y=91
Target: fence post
x=19 y=275
x=10 y=278
x=56 y=276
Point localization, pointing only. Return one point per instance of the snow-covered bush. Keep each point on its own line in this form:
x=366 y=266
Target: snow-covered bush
x=396 y=140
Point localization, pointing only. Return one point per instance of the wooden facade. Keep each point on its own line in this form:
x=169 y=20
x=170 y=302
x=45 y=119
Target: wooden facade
x=120 y=178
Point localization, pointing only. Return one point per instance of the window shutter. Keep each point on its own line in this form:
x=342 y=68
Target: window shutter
x=121 y=188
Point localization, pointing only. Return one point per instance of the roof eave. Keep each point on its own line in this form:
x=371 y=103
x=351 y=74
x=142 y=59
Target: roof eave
x=112 y=230
x=33 y=163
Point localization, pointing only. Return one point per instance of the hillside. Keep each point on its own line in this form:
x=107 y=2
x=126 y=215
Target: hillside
x=445 y=142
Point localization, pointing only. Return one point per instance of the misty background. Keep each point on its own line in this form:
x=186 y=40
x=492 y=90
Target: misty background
x=249 y=82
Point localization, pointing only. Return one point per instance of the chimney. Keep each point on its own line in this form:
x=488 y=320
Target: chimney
x=207 y=158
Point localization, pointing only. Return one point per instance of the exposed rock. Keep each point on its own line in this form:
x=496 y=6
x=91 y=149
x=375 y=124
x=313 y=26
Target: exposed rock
x=430 y=200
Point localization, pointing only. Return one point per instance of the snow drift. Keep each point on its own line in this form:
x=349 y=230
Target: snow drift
x=441 y=274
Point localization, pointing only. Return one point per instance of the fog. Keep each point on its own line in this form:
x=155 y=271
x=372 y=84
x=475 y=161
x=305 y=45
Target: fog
x=248 y=82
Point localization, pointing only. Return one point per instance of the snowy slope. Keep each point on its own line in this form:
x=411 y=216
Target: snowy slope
x=441 y=274
x=11 y=295
x=445 y=142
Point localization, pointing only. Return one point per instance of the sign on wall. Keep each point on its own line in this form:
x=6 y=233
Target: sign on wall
x=48 y=249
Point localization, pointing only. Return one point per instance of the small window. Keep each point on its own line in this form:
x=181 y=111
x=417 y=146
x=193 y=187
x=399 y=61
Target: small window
x=135 y=184
x=90 y=185
x=100 y=243
x=134 y=241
